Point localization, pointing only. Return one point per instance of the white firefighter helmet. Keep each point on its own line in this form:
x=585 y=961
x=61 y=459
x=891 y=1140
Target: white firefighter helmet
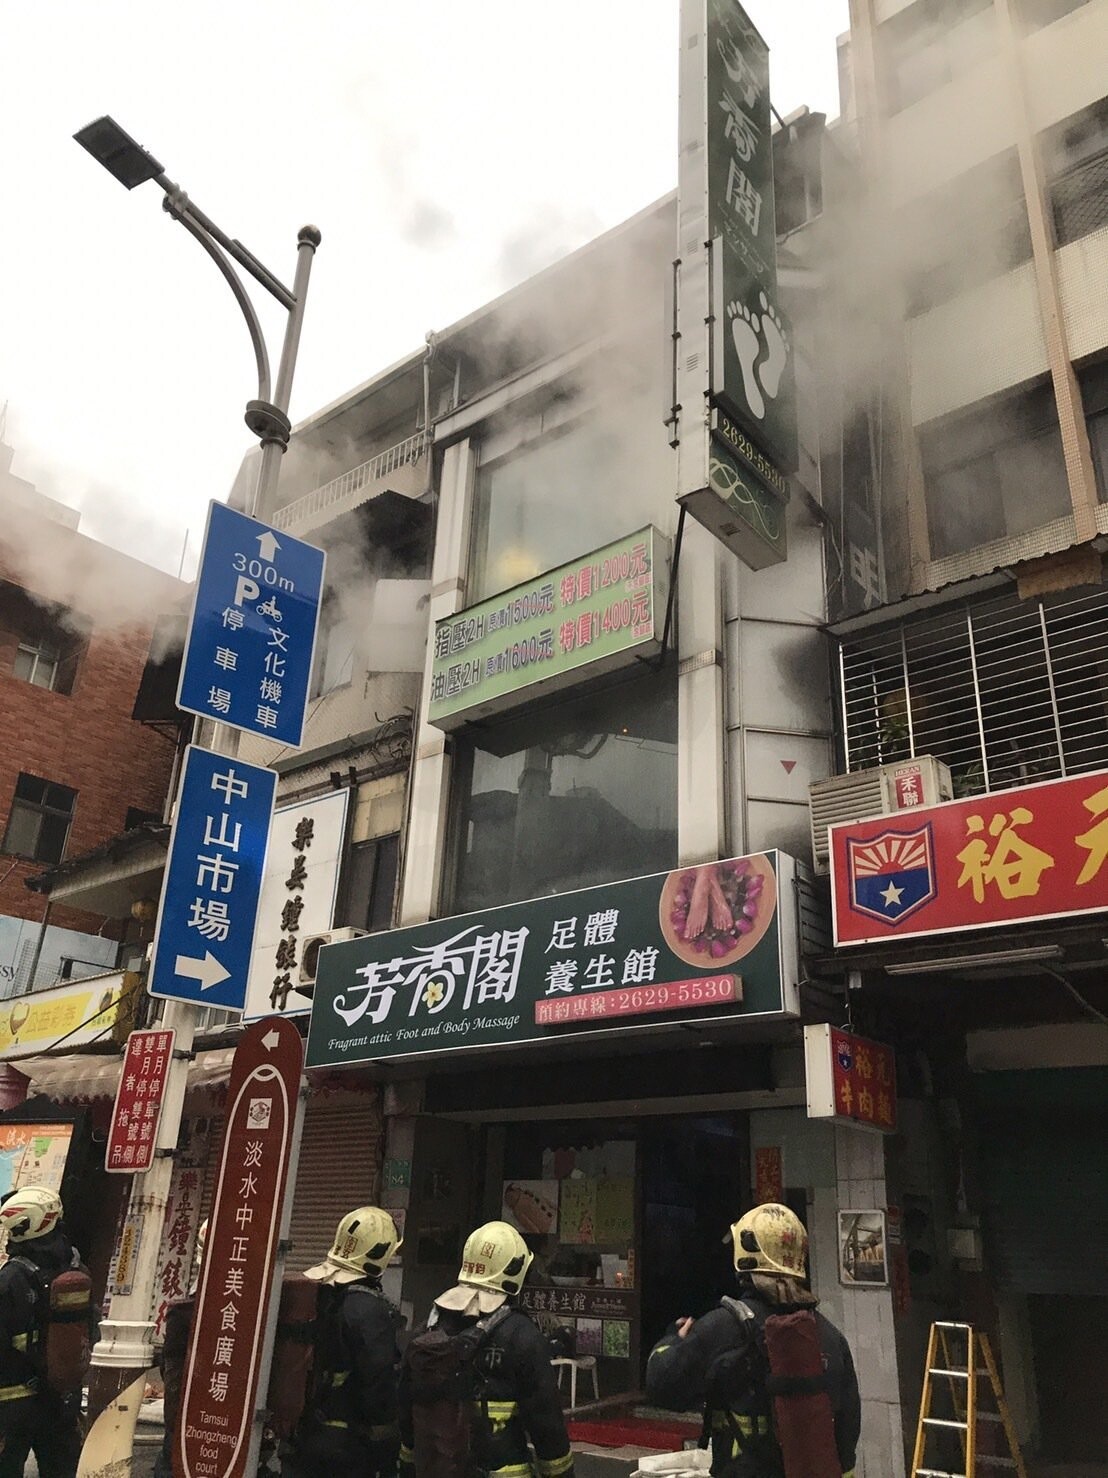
x=365 y=1240
x=769 y=1239
x=495 y=1257
x=30 y=1212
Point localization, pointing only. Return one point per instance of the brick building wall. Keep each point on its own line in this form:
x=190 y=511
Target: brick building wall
x=85 y=739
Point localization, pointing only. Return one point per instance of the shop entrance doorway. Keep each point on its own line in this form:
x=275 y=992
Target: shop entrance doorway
x=695 y=1183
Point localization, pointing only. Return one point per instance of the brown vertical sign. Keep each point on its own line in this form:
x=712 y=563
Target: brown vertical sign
x=221 y=1381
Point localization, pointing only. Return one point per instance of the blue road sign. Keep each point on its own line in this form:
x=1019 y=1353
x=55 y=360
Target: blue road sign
x=251 y=639
x=213 y=879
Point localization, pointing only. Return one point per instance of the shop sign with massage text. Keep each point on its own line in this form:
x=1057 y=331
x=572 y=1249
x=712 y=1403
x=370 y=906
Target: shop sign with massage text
x=594 y=615
x=1036 y=852
x=710 y=944
x=737 y=351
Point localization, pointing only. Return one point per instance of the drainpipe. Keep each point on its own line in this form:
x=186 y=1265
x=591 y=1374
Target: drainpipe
x=38 y=945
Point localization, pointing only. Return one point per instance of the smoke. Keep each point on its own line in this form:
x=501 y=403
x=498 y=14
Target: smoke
x=101 y=588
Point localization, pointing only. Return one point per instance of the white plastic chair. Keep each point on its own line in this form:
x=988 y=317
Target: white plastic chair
x=576 y=1363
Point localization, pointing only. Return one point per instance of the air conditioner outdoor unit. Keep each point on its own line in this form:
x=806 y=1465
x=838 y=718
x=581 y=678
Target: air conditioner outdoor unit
x=887 y=790
x=313 y=943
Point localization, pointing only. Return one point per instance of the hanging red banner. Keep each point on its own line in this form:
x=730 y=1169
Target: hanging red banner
x=138 y=1102
x=221 y=1380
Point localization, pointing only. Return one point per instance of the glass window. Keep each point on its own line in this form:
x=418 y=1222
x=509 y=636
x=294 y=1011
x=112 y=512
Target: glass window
x=930 y=43
x=1033 y=485
x=560 y=497
x=37 y=665
x=1098 y=437
x=995 y=472
x=1075 y=153
x=38 y=824
x=578 y=796
x=334 y=656
x=965 y=233
x=1039 y=13
x=372 y=885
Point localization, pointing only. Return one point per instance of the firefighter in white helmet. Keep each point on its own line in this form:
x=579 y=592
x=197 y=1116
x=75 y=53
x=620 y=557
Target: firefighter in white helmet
x=477 y=1385
x=38 y=1411
x=720 y=1362
x=349 y=1428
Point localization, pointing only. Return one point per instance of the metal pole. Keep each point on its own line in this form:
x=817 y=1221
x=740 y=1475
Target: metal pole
x=265 y=494
x=126 y=1348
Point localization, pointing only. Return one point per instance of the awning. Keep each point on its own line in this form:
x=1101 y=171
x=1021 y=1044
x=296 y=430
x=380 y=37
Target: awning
x=81 y=1078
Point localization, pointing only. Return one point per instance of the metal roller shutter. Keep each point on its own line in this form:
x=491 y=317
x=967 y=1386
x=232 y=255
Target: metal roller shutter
x=339 y=1169
x=1045 y=1189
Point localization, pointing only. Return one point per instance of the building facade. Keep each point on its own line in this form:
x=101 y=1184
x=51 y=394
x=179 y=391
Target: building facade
x=76 y=769
x=974 y=656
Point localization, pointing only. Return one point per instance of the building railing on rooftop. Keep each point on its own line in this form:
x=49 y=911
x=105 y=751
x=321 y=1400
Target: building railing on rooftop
x=339 y=488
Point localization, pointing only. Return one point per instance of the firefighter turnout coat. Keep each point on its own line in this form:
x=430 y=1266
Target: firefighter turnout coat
x=677 y=1378
x=518 y=1403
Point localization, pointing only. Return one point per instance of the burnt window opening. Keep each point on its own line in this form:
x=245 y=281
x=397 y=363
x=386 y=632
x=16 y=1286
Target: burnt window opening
x=930 y=44
x=971 y=230
x=47 y=640
x=1035 y=14
x=39 y=820
x=137 y=817
x=995 y=472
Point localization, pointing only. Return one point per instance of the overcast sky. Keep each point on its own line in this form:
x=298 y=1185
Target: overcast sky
x=445 y=150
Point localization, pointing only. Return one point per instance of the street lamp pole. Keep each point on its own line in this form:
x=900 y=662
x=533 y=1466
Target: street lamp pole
x=125 y=1349
x=267 y=414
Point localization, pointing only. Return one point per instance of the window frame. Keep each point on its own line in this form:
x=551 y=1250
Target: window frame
x=24 y=805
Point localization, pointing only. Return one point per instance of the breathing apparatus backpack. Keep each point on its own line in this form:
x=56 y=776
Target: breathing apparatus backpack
x=446 y=1389
x=60 y=1347
x=778 y=1372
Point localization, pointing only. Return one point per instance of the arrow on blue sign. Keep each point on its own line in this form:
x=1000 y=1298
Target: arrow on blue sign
x=251 y=639
x=213 y=880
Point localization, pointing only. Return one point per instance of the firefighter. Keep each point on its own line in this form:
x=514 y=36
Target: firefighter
x=34 y=1416
x=500 y=1378
x=705 y=1362
x=349 y=1427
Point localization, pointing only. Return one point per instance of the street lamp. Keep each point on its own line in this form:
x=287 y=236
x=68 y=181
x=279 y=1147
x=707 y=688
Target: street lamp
x=267 y=414
x=124 y=1351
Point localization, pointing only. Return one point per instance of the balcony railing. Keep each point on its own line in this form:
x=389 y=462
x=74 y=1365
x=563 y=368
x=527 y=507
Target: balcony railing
x=1006 y=692
x=341 y=488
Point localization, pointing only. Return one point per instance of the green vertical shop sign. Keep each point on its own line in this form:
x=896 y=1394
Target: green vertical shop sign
x=709 y=944
x=753 y=374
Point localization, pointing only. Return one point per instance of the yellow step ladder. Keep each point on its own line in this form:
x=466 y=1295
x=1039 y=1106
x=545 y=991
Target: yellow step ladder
x=965 y=1384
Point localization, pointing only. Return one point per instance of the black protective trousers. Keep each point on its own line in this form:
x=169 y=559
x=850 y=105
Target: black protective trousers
x=46 y=1424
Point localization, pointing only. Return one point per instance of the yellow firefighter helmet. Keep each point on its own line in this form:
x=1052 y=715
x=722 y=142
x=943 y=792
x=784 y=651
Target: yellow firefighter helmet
x=770 y=1239
x=495 y=1257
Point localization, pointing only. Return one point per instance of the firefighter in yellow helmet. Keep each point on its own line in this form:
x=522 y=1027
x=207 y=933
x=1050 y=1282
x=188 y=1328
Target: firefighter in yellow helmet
x=40 y=1402
x=477 y=1390
x=349 y=1427
x=720 y=1362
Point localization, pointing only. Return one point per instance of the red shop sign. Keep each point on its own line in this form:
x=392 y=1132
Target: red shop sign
x=849 y=1078
x=769 y=1175
x=1039 y=852
x=138 y=1102
x=221 y=1379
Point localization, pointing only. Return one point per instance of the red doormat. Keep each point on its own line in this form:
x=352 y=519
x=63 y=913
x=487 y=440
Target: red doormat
x=631 y=1431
